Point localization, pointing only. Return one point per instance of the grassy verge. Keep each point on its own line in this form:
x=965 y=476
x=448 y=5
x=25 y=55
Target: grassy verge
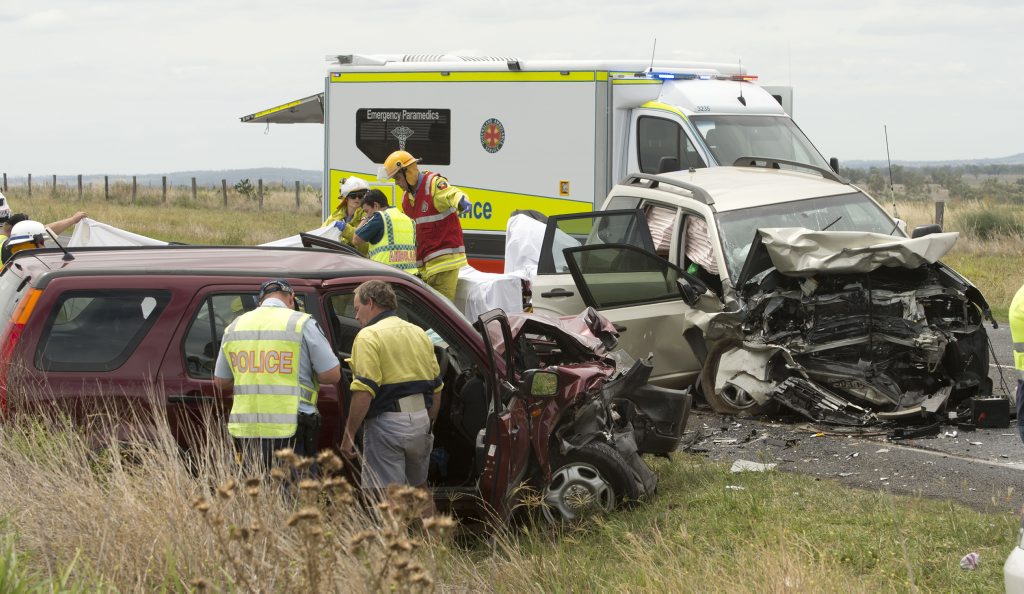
x=988 y=251
x=122 y=519
x=710 y=530
x=204 y=221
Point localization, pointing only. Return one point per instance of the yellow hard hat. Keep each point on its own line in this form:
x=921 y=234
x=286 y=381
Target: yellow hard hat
x=399 y=161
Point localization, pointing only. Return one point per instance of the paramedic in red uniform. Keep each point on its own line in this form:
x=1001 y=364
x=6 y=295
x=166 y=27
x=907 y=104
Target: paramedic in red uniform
x=434 y=206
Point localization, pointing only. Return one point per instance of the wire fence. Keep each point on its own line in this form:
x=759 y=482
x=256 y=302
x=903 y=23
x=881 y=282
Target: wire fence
x=243 y=194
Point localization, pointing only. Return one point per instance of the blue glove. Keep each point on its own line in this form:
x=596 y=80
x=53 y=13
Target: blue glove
x=340 y=225
x=465 y=204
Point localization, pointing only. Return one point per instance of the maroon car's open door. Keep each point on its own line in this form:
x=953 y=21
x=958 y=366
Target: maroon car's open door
x=507 y=435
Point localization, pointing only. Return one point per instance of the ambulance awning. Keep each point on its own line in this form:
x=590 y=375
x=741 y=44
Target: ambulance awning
x=308 y=110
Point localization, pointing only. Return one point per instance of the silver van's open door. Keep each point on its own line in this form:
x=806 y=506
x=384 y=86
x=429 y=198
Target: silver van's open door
x=308 y=110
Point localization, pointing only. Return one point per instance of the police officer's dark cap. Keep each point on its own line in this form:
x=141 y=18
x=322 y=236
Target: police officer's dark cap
x=273 y=286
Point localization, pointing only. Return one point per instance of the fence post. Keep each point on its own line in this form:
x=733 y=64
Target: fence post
x=5 y=181
x=134 y=187
x=224 y=191
x=296 y=195
x=30 y=185
x=106 y=187
x=79 y=186
x=259 y=193
x=163 y=189
x=53 y=190
x=193 y=189
x=940 y=211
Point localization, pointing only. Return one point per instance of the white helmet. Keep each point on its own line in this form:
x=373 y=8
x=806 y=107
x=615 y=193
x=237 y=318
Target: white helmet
x=27 y=231
x=353 y=184
x=5 y=209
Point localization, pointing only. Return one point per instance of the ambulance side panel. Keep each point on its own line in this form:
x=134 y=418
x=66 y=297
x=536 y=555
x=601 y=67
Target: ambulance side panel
x=510 y=140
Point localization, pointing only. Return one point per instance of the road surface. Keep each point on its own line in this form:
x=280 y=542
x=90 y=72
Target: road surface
x=983 y=469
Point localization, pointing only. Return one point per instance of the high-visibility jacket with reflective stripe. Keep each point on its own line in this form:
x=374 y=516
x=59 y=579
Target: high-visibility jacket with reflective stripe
x=264 y=349
x=397 y=245
x=437 y=232
x=1017 y=331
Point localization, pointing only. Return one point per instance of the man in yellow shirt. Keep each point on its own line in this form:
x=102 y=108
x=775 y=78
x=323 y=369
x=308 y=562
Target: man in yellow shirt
x=434 y=206
x=396 y=389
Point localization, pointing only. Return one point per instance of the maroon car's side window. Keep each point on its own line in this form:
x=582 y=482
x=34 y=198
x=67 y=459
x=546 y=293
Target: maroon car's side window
x=97 y=330
x=207 y=327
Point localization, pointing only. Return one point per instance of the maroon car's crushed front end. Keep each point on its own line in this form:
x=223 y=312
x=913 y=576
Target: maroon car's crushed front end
x=603 y=396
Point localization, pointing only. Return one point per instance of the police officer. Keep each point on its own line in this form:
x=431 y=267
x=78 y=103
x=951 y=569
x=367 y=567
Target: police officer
x=348 y=216
x=274 y=359
x=1017 y=335
x=434 y=206
x=396 y=389
x=390 y=234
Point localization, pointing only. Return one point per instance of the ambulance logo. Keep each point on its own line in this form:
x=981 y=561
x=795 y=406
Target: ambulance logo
x=492 y=135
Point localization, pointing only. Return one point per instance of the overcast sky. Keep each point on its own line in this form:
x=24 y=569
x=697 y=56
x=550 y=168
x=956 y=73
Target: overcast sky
x=147 y=86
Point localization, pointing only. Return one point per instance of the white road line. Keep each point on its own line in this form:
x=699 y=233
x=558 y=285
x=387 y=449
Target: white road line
x=941 y=454
x=1001 y=366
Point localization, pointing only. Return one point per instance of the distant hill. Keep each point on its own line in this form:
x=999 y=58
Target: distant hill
x=285 y=175
x=1017 y=159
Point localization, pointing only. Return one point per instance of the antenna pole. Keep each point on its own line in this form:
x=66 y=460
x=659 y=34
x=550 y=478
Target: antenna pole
x=892 y=193
x=653 y=49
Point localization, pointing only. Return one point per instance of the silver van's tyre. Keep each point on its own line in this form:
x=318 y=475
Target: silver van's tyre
x=731 y=400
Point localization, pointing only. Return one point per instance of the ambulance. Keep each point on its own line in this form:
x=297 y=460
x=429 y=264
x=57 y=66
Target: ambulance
x=548 y=136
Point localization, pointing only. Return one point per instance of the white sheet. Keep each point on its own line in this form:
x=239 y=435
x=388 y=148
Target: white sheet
x=90 y=233
x=480 y=292
x=328 y=232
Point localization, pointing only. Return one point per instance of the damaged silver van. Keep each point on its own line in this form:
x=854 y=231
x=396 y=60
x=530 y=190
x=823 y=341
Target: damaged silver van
x=769 y=286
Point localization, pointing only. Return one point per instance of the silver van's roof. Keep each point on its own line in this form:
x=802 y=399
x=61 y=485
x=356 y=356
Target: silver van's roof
x=734 y=188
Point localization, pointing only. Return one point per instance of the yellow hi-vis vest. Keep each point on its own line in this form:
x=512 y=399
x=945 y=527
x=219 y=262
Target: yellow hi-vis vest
x=1017 y=331
x=264 y=348
x=397 y=245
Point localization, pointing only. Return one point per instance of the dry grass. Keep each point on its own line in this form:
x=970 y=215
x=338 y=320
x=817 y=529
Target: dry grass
x=131 y=516
x=128 y=514
x=992 y=263
x=204 y=222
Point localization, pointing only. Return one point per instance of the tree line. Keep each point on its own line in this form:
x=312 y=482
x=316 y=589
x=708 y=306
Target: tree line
x=997 y=182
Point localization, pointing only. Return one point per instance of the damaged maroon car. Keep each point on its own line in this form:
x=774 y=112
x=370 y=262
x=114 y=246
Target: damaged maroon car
x=119 y=330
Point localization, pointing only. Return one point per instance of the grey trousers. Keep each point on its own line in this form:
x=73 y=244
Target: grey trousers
x=396 y=449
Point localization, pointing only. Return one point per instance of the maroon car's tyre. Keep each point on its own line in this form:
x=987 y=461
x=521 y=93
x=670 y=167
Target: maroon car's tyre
x=730 y=400
x=593 y=479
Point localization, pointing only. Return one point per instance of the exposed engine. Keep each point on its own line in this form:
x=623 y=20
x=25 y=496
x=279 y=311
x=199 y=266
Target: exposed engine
x=888 y=339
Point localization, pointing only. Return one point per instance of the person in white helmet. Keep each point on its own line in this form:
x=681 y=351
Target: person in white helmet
x=5 y=215
x=349 y=214
x=28 y=234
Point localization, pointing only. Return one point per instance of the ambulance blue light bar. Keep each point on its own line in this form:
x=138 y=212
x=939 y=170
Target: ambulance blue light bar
x=678 y=76
x=701 y=76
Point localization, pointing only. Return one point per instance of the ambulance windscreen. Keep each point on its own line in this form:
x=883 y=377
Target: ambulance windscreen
x=773 y=137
